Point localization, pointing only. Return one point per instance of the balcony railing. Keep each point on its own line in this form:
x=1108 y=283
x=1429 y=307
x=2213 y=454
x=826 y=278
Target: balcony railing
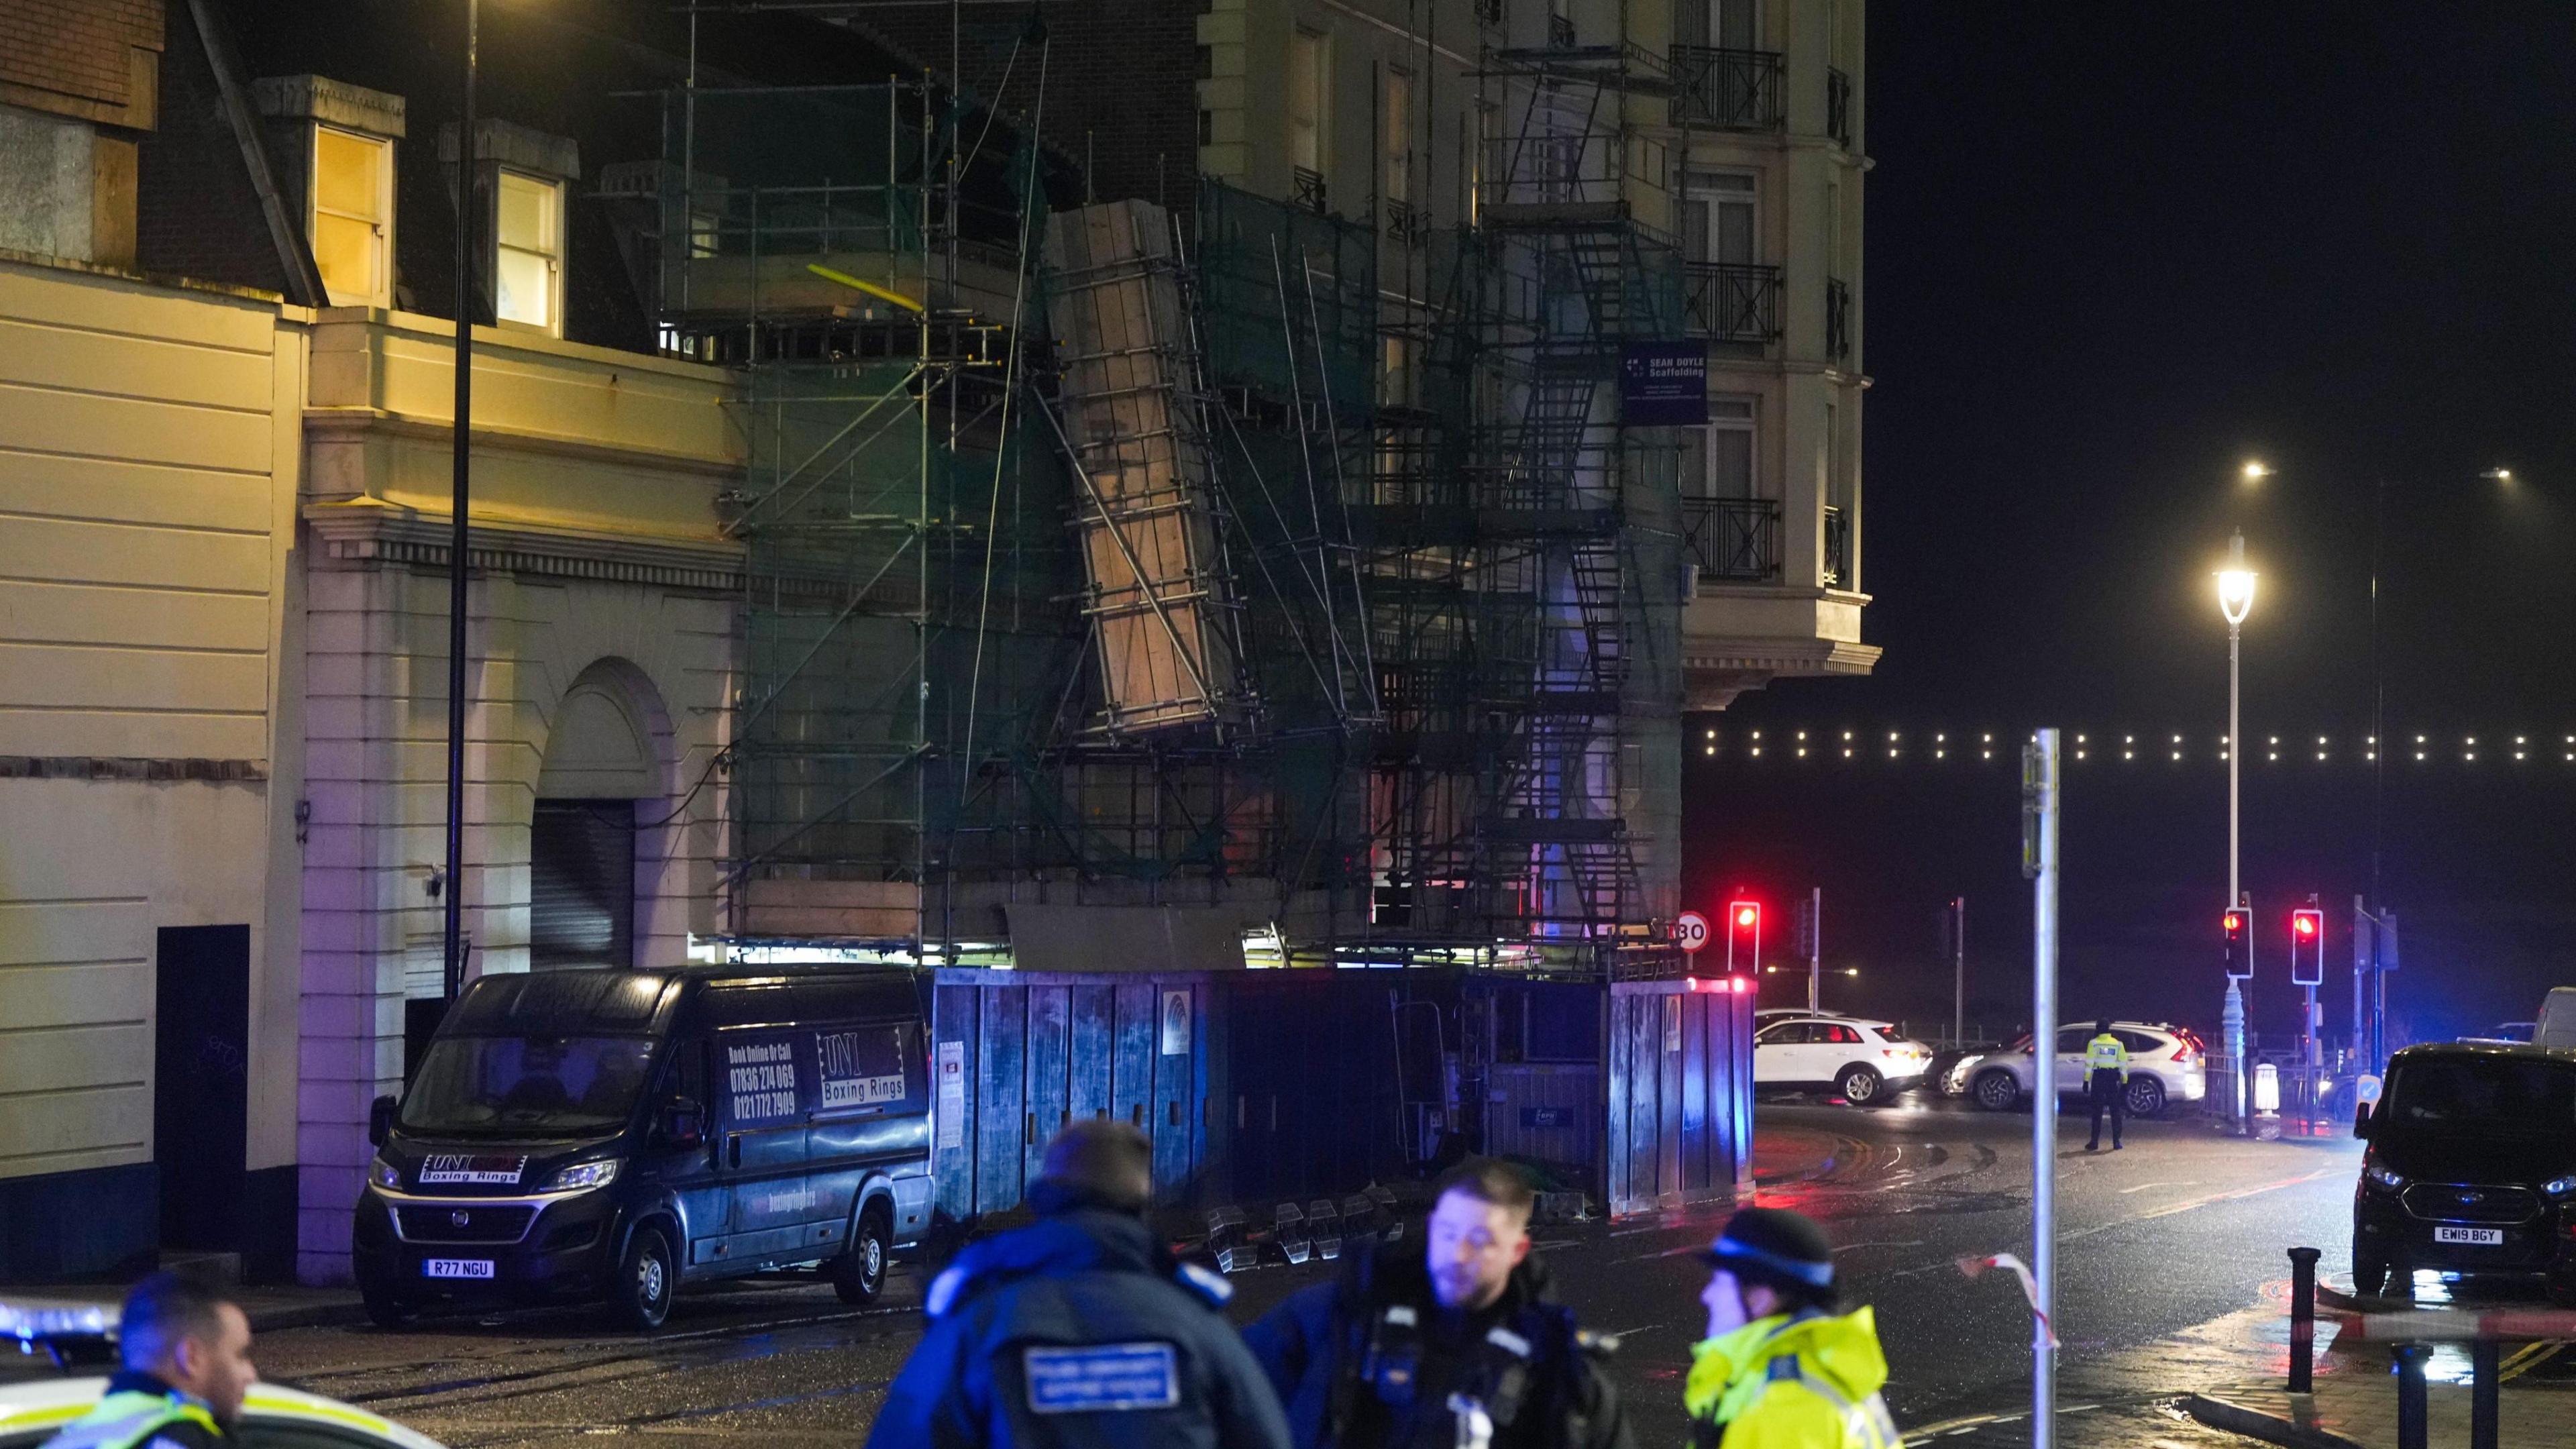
x=1837 y=574
x=1306 y=189
x=1735 y=89
x=1838 y=107
x=1489 y=12
x=1837 y=319
x=1733 y=301
x=1406 y=222
x=1560 y=32
x=1733 y=539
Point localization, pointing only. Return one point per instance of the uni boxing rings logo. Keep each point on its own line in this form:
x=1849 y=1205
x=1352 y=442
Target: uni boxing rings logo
x=467 y=1170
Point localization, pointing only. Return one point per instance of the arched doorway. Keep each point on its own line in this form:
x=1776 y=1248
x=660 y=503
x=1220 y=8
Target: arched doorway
x=600 y=760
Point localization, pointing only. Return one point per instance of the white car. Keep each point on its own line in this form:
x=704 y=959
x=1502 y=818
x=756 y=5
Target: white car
x=2167 y=1064
x=1857 y=1060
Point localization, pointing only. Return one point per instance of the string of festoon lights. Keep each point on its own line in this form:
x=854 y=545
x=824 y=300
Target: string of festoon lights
x=1773 y=742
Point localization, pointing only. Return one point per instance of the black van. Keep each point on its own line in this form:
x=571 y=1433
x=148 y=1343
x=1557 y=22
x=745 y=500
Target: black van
x=2471 y=1167
x=614 y=1134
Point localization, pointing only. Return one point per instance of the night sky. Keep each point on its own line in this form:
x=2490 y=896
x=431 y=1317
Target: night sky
x=2113 y=253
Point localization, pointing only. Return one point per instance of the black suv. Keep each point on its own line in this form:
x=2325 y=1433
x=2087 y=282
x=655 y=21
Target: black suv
x=2471 y=1167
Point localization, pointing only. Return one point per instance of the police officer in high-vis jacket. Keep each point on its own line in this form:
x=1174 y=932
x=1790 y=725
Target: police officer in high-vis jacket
x=1080 y=1329
x=185 y=1356
x=2106 y=1078
x=1783 y=1367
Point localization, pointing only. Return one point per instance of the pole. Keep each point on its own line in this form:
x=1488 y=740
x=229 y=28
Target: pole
x=2040 y=780
x=2411 y=1406
x=454 y=891
x=2303 y=1319
x=2232 y=1014
x=1958 y=969
x=2486 y=1375
x=1815 y=946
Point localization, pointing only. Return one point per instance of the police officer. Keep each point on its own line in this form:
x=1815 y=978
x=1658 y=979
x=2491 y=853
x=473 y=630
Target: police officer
x=1447 y=1345
x=184 y=1353
x=2106 y=1077
x=1080 y=1329
x=1780 y=1368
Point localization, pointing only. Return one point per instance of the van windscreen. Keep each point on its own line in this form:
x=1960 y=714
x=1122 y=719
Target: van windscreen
x=526 y=1085
x=2482 y=1096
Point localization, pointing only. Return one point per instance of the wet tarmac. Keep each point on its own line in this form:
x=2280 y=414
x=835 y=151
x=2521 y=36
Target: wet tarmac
x=2172 y=1275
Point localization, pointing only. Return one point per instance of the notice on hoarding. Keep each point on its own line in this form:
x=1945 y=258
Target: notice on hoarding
x=951 y=1109
x=860 y=1068
x=1176 y=1023
x=1663 y=384
x=760 y=1080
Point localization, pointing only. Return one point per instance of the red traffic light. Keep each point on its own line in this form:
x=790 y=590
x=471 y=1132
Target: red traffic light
x=1747 y=915
x=2304 y=924
x=1743 y=936
x=2232 y=921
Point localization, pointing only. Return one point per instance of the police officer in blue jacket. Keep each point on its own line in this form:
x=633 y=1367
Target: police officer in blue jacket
x=1081 y=1329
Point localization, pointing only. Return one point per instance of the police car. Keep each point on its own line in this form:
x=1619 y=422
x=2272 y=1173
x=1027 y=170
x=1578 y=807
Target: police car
x=39 y=1339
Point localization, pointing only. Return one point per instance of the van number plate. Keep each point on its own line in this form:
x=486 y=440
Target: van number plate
x=457 y=1268
x=2488 y=1237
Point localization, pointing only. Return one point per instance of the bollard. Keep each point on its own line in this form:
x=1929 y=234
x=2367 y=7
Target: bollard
x=2303 y=1319
x=2410 y=1395
x=2486 y=1364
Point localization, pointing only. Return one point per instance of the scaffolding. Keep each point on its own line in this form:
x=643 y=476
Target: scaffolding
x=1199 y=567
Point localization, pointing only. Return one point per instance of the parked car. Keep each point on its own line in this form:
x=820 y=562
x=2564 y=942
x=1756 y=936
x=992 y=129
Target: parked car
x=2471 y=1167
x=616 y=1134
x=2507 y=1031
x=2166 y=1064
x=2556 y=1025
x=1857 y=1060
x=37 y=1399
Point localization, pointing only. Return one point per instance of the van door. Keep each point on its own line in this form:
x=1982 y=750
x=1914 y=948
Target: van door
x=870 y=1115
x=764 y=1092
x=705 y=1198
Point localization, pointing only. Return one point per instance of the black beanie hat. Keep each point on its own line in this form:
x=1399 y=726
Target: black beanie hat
x=1095 y=1163
x=1777 y=1249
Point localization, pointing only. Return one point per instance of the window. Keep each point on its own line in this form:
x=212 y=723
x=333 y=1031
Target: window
x=1727 y=24
x=1397 y=128
x=527 y=269
x=1792 y=1033
x=353 y=206
x=1838 y=1035
x=1718 y=220
x=1717 y=460
x=1307 y=100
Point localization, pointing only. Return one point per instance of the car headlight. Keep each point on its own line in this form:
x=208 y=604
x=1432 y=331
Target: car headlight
x=2559 y=1187
x=581 y=1175
x=2382 y=1177
x=384 y=1174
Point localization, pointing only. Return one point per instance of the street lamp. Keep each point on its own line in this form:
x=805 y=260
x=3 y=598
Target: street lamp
x=2235 y=601
x=452 y=926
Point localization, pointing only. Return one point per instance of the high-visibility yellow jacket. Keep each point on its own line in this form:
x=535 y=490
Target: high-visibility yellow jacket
x=129 y=1417
x=2104 y=1053
x=1808 y=1381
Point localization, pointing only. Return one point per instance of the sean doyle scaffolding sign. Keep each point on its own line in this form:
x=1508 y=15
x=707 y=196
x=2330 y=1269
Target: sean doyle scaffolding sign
x=1663 y=384
x=778 y=1076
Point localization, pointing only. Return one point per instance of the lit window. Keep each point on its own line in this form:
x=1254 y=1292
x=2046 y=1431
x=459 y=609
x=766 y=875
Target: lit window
x=1397 y=129
x=1306 y=101
x=528 y=268
x=353 y=204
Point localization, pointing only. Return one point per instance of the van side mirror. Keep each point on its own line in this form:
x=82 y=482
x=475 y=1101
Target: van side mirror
x=683 y=1123
x=2361 y=1121
x=380 y=1120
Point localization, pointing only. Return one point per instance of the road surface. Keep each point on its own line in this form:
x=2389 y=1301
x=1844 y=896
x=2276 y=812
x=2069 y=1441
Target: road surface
x=2172 y=1273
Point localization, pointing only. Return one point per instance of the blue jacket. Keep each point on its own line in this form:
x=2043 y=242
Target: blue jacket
x=1075 y=1331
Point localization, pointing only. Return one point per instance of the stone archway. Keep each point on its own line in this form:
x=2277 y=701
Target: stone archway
x=595 y=836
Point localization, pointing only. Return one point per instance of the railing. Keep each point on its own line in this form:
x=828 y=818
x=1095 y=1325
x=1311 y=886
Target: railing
x=1733 y=301
x=1734 y=539
x=1735 y=89
x=1837 y=572
x=1306 y=189
x=1560 y=32
x=1838 y=107
x=1406 y=222
x=1837 y=319
x=1489 y=12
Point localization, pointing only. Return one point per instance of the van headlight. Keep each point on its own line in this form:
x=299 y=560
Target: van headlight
x=2382 y=1177
x=2559 y=1187
x=383 y=1174
x=583 y=1175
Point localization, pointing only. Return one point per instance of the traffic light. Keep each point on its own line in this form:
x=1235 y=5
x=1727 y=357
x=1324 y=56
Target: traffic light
x=1743 y=936
x=2240 y=948
x=2307 y=947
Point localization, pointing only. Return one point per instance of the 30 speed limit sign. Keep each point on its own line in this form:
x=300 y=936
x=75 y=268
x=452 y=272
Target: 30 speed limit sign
x=1690 y=931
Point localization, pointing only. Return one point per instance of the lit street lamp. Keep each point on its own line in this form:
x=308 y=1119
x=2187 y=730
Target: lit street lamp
x=2235 y=601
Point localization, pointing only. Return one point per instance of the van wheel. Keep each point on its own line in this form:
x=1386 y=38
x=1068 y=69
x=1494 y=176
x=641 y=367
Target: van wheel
x=1860 y=1086
x=2146 y=1097
x=646 y=1278
x=1996 y=1091
x=859 y=1275
x=384 y=1310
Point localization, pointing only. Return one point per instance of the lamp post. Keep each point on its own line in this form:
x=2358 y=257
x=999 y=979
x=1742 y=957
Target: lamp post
x=453 y=926
x=2235 y=601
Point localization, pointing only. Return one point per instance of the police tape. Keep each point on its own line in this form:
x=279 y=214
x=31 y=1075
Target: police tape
x=2438 y=1325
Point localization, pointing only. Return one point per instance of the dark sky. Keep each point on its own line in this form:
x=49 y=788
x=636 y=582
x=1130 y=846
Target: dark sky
x=2112 y=252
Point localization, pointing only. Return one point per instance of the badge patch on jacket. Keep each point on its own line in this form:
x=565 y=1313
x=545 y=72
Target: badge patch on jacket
x=1101 y=1378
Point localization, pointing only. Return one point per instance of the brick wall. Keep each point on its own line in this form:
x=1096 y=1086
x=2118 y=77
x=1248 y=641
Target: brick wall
x=75 y=57
x=1121 y=85
x=196 y=214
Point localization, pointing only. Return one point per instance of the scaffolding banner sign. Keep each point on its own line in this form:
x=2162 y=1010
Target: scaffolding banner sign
x=1663 y=384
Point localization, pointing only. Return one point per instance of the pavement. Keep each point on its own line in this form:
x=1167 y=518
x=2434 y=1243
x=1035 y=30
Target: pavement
x=2354 y=1400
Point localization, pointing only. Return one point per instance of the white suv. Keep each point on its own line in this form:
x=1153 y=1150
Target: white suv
x=2166 y=1064
x=1858 y=1061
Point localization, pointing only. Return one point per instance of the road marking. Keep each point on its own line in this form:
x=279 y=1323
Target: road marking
x=2142 y=1187
x=1855 y=1247
x=2148 y=1216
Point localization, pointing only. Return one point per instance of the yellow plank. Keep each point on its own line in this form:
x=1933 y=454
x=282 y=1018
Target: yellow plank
x=76 y=1121
x=84 y=425
x=48 y=1059
x=78 y=677
x=75 y=995
x=73 y=551
x=82 y=360
x=138 y=309
x=65 y=486
x=37 y=613
x=139 y=736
